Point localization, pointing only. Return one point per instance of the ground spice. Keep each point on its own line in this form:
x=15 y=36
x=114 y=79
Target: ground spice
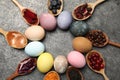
x=30 y=17
x=51 y=76
x=74 y=74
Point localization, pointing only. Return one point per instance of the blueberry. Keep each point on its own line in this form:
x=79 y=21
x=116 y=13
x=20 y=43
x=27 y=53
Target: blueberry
x=54 y=3
x=59 y=2
x=58 y=6
x=54 y=11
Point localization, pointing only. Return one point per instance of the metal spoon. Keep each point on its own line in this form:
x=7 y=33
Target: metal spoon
x=103 y=42
x=58 y=11
x=26 y=66
x=31 y=17
x=101 y=71
x=90 y=5
x=14 y=39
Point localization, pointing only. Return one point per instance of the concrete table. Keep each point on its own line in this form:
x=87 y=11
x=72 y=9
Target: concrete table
x=105 y=18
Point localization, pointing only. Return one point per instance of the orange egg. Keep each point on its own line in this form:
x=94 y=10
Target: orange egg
x=81 y=44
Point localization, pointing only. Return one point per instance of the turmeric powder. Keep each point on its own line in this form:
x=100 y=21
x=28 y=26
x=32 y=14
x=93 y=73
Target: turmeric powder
x=52 y=75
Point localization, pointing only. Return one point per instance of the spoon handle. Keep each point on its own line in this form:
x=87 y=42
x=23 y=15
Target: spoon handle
x=3 y=32
x=11 y=77
x=104 y=75
x=114 y=44
x=98 y=2
x=20 y=7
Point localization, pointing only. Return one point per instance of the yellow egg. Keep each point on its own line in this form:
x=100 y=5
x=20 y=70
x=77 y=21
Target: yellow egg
x=45 y=62
x=81 y=44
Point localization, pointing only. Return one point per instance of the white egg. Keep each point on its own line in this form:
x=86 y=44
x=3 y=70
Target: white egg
x=60 y=64
x=34 y=48
x=64 y=20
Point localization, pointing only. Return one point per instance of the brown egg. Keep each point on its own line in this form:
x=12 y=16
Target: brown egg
x=82 y=44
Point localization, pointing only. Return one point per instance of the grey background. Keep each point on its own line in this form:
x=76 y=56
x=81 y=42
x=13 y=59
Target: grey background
x=106 y=18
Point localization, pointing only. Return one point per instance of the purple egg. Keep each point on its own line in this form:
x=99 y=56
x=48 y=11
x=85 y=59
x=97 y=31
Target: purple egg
x=64 y=20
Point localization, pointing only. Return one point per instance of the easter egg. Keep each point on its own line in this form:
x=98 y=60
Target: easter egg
x=45 y=62
x=34 y=48
x=64 y=20
x=82 y=44
x=76 y=59
x=35 y=32
x=48 y=21
x=79 y=28
x=60 y=64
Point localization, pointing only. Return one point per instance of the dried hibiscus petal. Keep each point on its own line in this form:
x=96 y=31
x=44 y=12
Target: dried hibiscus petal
x=26 y=66
x=30 y=16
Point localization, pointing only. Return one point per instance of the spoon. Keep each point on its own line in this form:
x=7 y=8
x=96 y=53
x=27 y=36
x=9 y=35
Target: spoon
x=14 y=39
x=26 y=66
x=74 y=74
x=91 y=57
x=29 y=15
x=58 y=10
x=100 y=39
x=52 y=75
x=85 y=11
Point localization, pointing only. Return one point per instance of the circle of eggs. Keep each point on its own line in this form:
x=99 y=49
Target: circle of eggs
x=76 y=59
x=34 y=48
x=45 y=62
x=64 y=20
x=79 y=28
x=35 y=32
x=60 y=64
x=48 y=21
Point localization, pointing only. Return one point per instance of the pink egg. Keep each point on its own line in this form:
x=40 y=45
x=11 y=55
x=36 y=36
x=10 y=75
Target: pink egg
x=76 y=59
x=48 y=21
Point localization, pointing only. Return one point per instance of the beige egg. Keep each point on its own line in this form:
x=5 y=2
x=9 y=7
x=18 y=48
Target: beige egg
x=35 y=33
x=60 y=64
x=82 y=44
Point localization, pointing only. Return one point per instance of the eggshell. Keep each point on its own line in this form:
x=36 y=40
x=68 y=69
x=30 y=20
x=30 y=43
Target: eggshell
x=35 y=32
x=82 y=44
x=64 y=20
x=60 y=64
x=34 y=48
x=45 y=62
x=79 y=28
x=76 y=59
x=48 y=21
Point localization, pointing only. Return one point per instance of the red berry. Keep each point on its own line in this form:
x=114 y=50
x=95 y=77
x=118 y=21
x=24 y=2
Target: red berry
x=102 y=66
x=101 y=60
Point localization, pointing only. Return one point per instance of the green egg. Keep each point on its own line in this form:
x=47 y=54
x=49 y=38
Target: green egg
x=79 y=28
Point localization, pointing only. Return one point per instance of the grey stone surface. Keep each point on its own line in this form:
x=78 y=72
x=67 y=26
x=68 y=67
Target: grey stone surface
x=106 y=18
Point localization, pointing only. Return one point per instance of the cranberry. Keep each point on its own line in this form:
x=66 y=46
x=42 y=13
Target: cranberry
x=97 y=55
x=93 y=62
x=101 y=60
x=95 y=58
x=102 y=66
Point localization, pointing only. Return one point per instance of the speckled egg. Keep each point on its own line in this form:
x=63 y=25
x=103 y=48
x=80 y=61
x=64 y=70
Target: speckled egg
x=45 y=62
x=64 y=20
x=82 y=44
x=76 y=59
x=48 y=21
x=35 y=32
x=34 y=48
x=79 y=28
x=60 y=64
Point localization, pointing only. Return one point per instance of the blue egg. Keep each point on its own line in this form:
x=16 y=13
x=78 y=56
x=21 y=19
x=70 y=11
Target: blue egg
x=34 y=48
x=79 y=28
x=64 y=20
